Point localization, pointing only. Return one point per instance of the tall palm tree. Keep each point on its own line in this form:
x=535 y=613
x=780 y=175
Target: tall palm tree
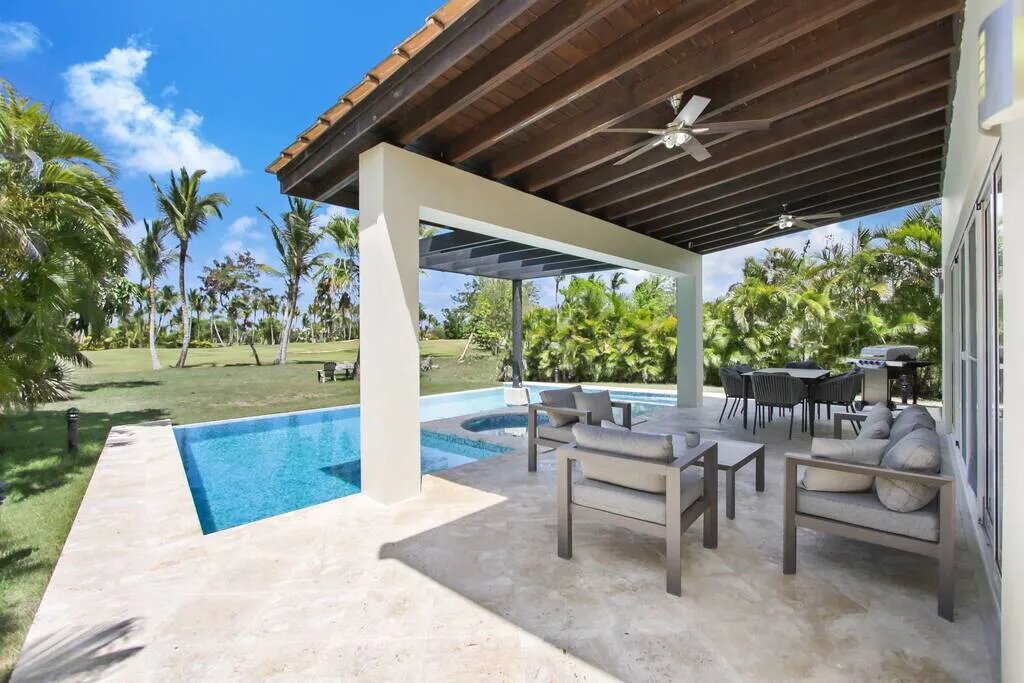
x=296 y=239
x=154 y=257
x=197 y=304
x=618 y=281
x=186 y=211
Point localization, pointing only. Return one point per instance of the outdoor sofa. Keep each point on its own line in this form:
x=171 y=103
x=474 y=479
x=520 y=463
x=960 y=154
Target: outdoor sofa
x=890 y=486
x=642 y=482
x=564 y=408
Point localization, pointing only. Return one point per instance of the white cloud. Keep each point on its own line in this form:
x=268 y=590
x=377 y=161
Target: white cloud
x=243 y=226
x=169 y=91
x=20 y=38
x=148 y=138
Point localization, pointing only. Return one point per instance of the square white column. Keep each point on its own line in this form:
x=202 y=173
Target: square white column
x=389 y=382
x=690 y=340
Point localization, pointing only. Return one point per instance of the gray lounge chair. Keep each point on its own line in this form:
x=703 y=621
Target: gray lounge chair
x=928 y=531
x=612 y=463
x=562 y=414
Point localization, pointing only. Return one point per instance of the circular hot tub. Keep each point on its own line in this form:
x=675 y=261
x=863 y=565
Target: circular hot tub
x=501 y=424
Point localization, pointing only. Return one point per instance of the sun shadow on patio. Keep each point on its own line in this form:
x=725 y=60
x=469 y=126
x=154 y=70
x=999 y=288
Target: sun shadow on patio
x=87 y=653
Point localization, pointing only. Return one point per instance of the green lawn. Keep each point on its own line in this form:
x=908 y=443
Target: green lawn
x=45 y=487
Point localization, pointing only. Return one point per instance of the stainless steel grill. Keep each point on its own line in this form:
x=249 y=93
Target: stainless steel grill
x=888 y=367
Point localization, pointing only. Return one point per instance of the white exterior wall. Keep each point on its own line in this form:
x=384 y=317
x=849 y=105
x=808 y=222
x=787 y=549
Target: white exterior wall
x=397 y=189
x=969 y=154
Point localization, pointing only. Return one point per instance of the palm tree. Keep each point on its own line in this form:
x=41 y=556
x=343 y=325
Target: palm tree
x=197 y=304
x=186 y=211
x=153 y=258
x=618 y=280
x=296 y=239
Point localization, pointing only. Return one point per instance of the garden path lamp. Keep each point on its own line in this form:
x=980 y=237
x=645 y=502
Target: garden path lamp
x=73 y=415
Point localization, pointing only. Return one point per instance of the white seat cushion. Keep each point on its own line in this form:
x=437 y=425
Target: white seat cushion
x=620 y=500
x=865 y=510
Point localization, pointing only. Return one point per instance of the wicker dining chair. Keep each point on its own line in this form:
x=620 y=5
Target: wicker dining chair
x=809 y=364
x=778 y=390
x=840 y=390
x=732 y=382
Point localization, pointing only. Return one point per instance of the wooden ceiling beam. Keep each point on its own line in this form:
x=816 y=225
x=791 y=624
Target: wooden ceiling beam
x=868 y=29
x=478 y=24
x=682 y=22
x=921 y=53
x=538 y=38
x=784 y=26
x=817 y=205
x=888 y=145
x=865 y=112
x=856 y=183
x=865 y=209
x=840 y=173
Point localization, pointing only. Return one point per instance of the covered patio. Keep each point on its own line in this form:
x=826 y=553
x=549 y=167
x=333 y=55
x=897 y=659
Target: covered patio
x=463 y=582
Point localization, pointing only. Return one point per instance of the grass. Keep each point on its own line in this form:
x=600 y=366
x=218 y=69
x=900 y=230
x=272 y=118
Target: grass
x=45 y=486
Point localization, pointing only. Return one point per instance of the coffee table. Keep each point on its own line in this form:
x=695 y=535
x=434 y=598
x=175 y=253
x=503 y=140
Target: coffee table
x=733 y=455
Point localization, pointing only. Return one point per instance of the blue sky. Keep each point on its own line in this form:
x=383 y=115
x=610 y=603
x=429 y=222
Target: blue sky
x=225 y=86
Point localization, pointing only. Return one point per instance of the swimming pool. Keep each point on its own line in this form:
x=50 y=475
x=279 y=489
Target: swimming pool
x=243 y=470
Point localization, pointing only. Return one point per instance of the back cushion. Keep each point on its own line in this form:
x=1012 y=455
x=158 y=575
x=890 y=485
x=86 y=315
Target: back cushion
x=656 y=447
x=880 y=411
x=599 y=403
x=560 y=398
x=918 y=451
x=873 y=429
x=906 y=422
x=858 y=452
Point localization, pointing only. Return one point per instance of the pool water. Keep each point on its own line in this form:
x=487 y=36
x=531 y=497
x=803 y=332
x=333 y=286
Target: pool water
x=240 y=471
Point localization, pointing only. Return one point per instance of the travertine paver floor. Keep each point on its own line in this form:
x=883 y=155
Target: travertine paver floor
x=463 y=583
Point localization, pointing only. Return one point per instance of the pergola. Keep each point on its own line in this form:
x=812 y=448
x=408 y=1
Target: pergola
x=489 y=120
x=467 y=253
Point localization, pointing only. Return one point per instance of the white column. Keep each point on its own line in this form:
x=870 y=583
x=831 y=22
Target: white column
x=389 y=329
x=1012 y=600
x=690 y=339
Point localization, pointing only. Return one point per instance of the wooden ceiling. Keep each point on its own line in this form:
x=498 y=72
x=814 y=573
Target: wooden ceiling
x=858 y=93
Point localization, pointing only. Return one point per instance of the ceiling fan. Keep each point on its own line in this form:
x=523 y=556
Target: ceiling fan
x=785 y=221
x=682 y=131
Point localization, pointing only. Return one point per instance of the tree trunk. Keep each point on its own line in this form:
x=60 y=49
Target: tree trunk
x=186 y=318
x=282 y=349
x=466 y=347
x=152 y=325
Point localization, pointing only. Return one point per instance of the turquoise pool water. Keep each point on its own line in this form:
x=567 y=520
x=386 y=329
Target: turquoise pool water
x=240 y=471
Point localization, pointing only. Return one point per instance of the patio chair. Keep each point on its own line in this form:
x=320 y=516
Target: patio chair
x=778 y=390
x=809 y=364
x=840 y=390
x=642 y=482
x=560 y=406
x=328 y=373
x=732 y=382
x=903 y=497
x=427 y=364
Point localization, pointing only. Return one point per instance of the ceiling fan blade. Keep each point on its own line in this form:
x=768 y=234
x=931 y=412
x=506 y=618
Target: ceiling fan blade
x=732 y=126
x=693 y=109
x=648 y=131
x=696 y=150
x=821 y=216
x=646 y=148
x=766 y=229
x=801 y=223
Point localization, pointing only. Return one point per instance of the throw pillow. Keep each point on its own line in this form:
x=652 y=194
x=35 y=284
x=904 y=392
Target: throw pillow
x=859 y=452
x=656 y=447
x=906 y=423
x=560 y=398
x=598 y=403
x=918 y=451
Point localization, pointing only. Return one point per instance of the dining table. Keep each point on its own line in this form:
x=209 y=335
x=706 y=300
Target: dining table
x=809 y=377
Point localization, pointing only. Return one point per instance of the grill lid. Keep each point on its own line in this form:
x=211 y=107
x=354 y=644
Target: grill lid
x=890 y=352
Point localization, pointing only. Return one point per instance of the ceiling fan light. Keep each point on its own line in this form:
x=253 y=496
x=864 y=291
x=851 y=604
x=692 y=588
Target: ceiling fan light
x=789 y=224
x=670 y=141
